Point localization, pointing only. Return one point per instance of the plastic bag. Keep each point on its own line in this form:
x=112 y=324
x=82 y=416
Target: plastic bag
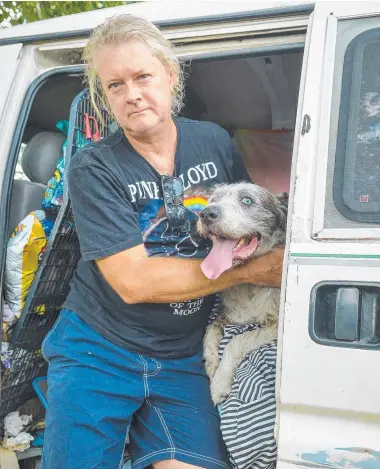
x=6 y=355
x=20 y=443
x=8 y=315
x=14 y=423
x=24 y=251
x=54 y=192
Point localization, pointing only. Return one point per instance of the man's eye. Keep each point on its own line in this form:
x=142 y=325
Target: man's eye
x=143 y=76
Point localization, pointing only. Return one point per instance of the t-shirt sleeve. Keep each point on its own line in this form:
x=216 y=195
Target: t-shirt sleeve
x=104 y=217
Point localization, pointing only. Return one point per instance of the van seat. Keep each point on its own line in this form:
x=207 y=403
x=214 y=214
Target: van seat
x=38 y=162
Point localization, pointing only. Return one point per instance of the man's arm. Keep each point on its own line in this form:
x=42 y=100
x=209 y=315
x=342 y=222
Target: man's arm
x=141 y=279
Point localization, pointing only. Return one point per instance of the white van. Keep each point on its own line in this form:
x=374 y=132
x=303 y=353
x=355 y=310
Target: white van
x=300 y=83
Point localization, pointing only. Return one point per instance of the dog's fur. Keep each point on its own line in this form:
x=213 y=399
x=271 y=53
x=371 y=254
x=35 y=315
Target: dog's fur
x=264 y=218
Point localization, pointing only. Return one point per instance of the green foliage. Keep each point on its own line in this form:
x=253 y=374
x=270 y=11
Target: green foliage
x=25 y=12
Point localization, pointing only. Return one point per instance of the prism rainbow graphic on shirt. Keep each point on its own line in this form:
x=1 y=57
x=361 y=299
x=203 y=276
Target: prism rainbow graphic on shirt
x=158 y=238
x=195 y=203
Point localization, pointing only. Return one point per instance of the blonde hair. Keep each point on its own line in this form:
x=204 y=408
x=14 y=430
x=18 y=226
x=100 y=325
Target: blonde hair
x=117 y=30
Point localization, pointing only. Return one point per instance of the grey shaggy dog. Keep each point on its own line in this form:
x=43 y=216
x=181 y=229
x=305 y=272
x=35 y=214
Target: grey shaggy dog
x=243 y=220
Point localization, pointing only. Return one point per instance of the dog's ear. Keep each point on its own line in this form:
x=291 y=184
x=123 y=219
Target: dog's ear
x=283 y=198
x=209 y=191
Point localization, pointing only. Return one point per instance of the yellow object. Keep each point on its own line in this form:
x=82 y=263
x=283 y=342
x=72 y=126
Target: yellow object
x=24 y=249
x=8 y=459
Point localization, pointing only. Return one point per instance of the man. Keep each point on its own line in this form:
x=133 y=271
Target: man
x=126 y=353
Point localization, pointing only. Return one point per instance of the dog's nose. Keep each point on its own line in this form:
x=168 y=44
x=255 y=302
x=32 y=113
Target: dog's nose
x=210 y=213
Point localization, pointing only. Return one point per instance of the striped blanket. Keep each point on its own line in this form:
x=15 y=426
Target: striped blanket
x=248 y=414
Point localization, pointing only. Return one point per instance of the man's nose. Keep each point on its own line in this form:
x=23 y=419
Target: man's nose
x=210 y=213
x=132 y=93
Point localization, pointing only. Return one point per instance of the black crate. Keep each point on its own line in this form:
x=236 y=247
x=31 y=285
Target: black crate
x=50 y=286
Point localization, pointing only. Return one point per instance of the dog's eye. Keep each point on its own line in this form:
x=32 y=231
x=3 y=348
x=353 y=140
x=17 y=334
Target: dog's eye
x=247 y=201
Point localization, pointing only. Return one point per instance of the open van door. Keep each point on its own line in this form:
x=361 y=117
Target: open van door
x=329 y=394
x=9 y=57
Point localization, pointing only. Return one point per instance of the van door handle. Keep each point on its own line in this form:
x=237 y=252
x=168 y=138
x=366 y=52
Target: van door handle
x=306 y=124
x=345 y=314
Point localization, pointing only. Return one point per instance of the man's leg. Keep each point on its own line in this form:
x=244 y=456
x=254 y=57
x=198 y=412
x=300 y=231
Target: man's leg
x=93 y=390
x=178 y=426
x=174 y=464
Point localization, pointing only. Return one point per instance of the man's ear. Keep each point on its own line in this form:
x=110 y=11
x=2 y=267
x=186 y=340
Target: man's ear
x=171 y=80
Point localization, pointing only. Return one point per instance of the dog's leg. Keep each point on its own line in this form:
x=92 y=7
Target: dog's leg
x=213 y=336
x=233 y=354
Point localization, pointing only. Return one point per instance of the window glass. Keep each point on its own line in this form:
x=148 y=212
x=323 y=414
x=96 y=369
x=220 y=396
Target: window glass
x=19 y=174
x=356 y=187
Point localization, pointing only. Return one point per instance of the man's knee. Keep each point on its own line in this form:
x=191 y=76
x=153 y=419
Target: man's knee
x=174 y=464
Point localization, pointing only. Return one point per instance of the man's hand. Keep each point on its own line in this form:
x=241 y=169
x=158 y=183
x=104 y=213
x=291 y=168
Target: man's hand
x=265 y=270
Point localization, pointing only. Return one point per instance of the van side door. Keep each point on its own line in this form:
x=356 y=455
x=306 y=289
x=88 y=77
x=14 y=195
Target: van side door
x=329 y=380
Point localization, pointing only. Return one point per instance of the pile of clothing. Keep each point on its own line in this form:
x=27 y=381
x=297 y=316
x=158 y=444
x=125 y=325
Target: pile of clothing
x=23 y=427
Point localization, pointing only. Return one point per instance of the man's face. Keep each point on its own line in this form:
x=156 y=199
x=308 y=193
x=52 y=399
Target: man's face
x=137 y=86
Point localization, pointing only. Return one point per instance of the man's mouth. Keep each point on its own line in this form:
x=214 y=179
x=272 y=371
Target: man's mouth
x=226 y=253
x=135 y=113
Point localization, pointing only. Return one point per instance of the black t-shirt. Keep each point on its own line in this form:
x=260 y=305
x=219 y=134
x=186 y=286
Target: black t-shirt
x=116 y=196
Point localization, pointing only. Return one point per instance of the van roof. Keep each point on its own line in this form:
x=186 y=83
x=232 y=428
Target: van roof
x=159 y=12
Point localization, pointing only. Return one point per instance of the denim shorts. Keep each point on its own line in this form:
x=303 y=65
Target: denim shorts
x=100 y=394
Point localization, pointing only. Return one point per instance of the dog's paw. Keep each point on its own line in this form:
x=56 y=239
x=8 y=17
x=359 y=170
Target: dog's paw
x=220 y=388
x=211 y=365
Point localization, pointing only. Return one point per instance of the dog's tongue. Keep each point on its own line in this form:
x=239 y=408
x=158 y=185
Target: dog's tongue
x=220 y=258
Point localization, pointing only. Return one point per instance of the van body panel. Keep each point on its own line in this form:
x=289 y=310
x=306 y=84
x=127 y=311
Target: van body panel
x=329 y=409
x=163 y=12
x=69 y=53
x=237 y=37
x=8 y=55
x=24 y=74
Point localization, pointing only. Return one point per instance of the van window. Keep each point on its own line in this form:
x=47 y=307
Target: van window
x=20 y=174
x=357 y=158
x=351 y=200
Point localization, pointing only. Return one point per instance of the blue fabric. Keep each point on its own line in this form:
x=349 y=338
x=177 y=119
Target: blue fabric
x=54 y=192
x=99 y=392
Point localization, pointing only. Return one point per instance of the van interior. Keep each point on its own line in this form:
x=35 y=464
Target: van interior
x=253 y=97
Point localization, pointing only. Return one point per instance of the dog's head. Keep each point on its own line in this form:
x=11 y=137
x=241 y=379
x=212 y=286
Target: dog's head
x=243 y=220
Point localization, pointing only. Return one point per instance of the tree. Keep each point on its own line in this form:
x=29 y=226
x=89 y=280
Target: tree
x=12 y=13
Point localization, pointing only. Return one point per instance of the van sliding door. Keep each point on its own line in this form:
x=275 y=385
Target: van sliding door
x=329 y=393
